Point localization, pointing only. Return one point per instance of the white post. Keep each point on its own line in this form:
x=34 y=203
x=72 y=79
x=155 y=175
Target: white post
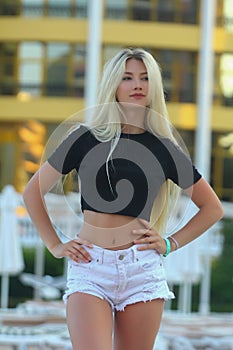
x=203 y=132
x=4 y=291
x=95 y=10
x=39 y=265
x=11 y=256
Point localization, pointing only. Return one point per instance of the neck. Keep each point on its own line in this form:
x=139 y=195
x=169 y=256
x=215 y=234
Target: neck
x=132 y=129
x=133 y=118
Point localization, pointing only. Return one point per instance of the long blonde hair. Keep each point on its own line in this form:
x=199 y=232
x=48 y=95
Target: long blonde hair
x=106 y=120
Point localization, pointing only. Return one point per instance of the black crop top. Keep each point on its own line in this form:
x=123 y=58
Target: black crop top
x=139 y=165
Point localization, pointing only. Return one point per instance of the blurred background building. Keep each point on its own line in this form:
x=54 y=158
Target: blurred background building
x=42 y=73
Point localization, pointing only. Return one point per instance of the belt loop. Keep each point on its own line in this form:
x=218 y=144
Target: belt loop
x=101 y=257
x=134 y=254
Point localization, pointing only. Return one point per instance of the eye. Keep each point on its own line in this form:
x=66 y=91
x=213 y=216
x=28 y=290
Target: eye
x=126 y=78
x=145 y=78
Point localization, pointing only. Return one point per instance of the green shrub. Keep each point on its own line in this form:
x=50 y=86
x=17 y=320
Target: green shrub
x=222 y=273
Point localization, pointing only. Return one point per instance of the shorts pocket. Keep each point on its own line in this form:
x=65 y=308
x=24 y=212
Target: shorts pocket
x=152 y=266
x=77 y=270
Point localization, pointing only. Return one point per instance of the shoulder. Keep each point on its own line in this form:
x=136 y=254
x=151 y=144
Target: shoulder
x=78 y=134
x=173 y=147
x=158 y=143
x=81 y=129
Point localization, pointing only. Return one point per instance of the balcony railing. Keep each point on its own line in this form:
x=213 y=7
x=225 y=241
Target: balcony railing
x=138 y=11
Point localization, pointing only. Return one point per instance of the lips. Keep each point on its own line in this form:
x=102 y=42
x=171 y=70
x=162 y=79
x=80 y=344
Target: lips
x=137 y=95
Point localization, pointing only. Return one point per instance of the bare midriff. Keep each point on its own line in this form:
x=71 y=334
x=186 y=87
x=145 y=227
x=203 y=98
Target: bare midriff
x=109 y=231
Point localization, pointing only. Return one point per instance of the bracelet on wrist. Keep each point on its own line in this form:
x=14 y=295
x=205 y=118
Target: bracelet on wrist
x=175 y=241
x=168 y=247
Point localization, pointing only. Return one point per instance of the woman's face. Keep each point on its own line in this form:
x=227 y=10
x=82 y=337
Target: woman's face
x=133 y=87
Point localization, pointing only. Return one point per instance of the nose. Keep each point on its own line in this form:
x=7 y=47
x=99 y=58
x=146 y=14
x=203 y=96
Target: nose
x=137 y=84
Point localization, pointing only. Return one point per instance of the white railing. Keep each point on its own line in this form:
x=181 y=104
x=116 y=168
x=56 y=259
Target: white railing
x=64 y=210
x=65 y=213
x=17 y=231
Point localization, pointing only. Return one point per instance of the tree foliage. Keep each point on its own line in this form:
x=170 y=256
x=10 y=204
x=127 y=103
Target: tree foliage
x=222 y=273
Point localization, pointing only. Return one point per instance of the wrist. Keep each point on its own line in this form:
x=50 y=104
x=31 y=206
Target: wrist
x=55 y=249
x=168 y=247
x=174 y=244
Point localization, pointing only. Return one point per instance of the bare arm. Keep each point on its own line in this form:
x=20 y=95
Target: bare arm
x=40 y=184
x=210 y=211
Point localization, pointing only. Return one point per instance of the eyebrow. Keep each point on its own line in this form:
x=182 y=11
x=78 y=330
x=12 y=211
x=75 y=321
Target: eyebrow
x=143 y=73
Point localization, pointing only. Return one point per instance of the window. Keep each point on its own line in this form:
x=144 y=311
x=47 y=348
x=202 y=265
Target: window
x=81 y=8
x=54 y=8
x=141 y=10
x=226 y=78
x=78 y=71
x=223 y=79
x=52 y=69
x=166 y=10
x=116 y=9
x=222 y=165
x=59 y=8
x=30 y=74
x=186 y=76
x=57 y=69
x=188 y=11
x=180 y=11
x=227 y=15
x=8 y=8
x=8 y=68
x=109 y=52
x=9 y=154
x=188 y=137
x=32 y=8
x=179 y=74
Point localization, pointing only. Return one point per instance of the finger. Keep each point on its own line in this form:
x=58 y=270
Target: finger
x=80 y=252
x=144 y=247
x=141 y=231
x=84 y=242
x=78 y=257
x=74 y=257
x=147 y=240
x=145 y=223
x=80 y=244
x=84 y=255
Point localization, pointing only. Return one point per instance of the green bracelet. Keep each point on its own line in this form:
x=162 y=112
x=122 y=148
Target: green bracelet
x=168 y=245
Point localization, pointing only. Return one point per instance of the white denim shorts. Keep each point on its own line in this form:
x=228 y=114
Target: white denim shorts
x=121 y=277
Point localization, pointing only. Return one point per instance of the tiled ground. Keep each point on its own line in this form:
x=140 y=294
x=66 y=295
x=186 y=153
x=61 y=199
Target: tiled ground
x=177 y=332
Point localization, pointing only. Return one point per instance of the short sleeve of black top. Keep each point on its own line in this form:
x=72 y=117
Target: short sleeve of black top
x=130 y=182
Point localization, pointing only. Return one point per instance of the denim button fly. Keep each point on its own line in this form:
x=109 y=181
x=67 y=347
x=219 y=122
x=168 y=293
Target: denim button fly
x=121 y=257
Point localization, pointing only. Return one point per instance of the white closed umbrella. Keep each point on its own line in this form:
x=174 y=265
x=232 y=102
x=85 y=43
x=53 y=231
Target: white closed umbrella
x=184 y=267
x=11 y=255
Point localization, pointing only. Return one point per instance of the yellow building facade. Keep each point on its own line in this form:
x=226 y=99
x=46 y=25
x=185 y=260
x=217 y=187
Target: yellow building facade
x=43 y=62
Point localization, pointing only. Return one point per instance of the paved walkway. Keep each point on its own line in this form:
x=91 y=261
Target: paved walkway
x=190 y=332
x=177 y=331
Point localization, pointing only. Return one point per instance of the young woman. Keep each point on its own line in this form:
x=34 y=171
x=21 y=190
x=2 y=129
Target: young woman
x=130 y=168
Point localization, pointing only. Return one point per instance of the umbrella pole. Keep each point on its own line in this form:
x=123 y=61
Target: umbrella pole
x=4 y=291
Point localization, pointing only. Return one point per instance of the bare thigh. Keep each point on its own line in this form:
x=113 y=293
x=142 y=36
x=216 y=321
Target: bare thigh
x=137 y=326
x=90 y=322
